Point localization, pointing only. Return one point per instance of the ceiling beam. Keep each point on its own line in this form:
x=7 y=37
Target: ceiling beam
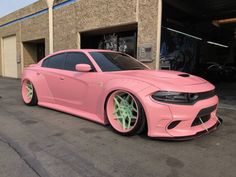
x=182 y=6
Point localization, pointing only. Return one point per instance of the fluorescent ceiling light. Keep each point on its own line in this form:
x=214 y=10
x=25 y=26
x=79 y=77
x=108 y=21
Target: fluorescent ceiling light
x=189 y=35
x=224 y=21
x=217 y=44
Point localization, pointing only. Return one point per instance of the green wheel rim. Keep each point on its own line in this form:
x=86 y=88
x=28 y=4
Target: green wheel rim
x=125 y=110
x=29 y=88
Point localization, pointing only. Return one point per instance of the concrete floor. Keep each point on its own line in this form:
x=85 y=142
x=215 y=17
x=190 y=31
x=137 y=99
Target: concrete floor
x=227 y=94
x=36 y=141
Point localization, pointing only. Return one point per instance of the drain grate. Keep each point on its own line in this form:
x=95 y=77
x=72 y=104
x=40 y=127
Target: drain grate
x=0 y=97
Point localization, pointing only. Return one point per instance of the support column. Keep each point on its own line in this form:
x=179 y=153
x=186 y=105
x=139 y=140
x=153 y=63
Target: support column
x=50 y=18
x=159 y=20
x=148 y=16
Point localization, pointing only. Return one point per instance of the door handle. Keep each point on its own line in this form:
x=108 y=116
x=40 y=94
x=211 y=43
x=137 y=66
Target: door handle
x=38 y=73
x=62 y=78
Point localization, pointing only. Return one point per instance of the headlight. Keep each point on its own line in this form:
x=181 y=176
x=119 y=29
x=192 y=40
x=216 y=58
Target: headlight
x=175 y=97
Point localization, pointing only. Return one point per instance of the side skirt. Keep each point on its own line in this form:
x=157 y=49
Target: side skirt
x=79 y=113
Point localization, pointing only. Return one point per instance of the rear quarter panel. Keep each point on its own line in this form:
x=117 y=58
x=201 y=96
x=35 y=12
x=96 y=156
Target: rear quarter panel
x=35 y=76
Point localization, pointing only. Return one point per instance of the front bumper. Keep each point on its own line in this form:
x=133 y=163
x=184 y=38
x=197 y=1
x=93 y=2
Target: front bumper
x=161 y=115
x=197 y=135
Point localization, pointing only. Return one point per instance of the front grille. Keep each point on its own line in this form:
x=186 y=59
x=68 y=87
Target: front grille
x=204 y=119
x=203 y=116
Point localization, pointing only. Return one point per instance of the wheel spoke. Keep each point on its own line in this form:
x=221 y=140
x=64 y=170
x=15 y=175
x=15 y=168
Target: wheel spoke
x=29 y=96
x=134 y=109
x=29 y=88
x=116 y=102
x=132 y=106
x=123 y=122
x=30 y=85
x=118 y=118
x=118 y=96
x=127 y=98
x=116 y=111
x=129 y=122
x=125 y=110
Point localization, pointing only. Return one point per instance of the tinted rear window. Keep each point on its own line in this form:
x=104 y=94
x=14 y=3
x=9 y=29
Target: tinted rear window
x=56 y=61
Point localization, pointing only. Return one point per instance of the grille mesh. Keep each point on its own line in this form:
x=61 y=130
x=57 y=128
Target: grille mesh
x=203 y=116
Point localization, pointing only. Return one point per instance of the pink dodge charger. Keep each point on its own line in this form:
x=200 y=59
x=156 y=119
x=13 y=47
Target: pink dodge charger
x=113 y=88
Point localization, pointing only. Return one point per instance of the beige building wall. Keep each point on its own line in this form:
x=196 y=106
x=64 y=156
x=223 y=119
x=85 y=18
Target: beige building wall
x=99 y=14
x=35 y=7
x=28 y=29
x=34 y=29
x=31 y=29
x=65 y=33
x=147 y=27
x=82 y=16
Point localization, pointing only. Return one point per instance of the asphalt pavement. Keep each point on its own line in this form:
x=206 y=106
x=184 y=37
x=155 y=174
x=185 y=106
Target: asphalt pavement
x=36 y=141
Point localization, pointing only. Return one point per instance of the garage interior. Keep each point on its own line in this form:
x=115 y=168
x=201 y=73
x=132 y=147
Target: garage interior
x=33 y=51
x=199 y=32
x=199 y=37
x=119 y=38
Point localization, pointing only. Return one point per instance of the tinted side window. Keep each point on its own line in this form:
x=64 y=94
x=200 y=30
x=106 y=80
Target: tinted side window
x=77 y=58
x=56 y=61
x=112 y=61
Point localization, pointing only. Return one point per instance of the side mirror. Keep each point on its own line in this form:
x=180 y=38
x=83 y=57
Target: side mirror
x=83 y=68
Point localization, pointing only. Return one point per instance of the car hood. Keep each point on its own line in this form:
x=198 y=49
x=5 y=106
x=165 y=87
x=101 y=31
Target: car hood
x=164 y=79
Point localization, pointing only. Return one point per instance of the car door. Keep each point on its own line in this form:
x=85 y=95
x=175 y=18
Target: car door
x=75 y=87
x=51 y=74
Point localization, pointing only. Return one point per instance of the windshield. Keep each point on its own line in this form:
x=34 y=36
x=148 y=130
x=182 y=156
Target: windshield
x=111 y=61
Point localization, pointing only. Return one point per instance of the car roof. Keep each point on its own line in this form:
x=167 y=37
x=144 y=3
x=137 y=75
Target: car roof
x=76 y=50
x=83 y=50
x=79 y=50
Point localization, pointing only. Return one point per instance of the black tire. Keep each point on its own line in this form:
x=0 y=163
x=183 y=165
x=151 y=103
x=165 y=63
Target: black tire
x=141 y=124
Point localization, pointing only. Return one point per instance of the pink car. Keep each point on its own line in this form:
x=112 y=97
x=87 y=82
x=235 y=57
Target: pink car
x=113 y=88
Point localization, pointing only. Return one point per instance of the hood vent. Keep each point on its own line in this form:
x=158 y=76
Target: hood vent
x=184 y=75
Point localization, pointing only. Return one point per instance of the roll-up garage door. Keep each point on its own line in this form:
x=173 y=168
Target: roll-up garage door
x=9 y=57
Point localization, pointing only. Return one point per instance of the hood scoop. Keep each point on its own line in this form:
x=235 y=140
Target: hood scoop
x=184 y=75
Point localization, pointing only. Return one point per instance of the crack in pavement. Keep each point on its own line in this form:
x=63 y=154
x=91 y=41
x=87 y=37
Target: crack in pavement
x=30 y=161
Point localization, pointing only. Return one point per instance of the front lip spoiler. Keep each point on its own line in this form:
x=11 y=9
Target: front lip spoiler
x=197 y=135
